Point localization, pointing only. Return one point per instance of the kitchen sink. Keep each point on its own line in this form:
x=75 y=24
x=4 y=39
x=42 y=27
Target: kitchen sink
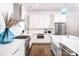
x=21 y=37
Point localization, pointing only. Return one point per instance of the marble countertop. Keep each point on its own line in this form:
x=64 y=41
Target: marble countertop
x=58 y=38
x=70 y=41
x=10 y=47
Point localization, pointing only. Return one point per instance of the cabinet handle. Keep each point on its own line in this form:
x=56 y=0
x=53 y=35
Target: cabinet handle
x=15 y=52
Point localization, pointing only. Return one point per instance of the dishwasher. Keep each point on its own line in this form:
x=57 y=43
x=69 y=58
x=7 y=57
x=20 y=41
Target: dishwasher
x=66 y=51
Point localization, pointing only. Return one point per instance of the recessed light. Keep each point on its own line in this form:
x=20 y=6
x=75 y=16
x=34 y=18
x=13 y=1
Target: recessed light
x=36 y=5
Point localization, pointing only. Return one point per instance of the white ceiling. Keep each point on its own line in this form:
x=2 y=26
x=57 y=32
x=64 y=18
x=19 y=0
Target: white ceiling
x=50 y=6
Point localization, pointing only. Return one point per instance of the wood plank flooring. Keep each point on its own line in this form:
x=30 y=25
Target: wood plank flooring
x=40 y=49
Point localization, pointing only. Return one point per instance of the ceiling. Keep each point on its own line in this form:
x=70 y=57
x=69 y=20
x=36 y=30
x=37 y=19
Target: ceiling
x=50 y=6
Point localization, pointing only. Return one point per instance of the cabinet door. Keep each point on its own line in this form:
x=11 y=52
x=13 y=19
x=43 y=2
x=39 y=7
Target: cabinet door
x=53 y=47
x=20 y=50
x=56 y=50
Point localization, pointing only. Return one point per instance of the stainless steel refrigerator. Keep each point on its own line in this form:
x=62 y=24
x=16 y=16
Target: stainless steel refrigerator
x=60 y=29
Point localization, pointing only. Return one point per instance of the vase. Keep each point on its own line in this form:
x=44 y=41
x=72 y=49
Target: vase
x=7 y=36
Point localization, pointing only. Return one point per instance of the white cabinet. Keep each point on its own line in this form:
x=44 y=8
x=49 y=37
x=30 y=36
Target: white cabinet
x=19 y=51
x=15 y=48
x=53 y=48
x=56 y=50
x=46 y=39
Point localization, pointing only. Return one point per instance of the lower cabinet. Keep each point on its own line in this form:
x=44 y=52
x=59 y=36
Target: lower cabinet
x=56 y=50
x=20 y=51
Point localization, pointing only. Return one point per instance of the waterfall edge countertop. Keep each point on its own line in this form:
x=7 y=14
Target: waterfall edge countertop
x=7 y=49
x=70 y=41
x=57 y=38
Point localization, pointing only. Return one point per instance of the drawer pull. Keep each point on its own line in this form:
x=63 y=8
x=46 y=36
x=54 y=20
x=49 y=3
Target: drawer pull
x=15 y=52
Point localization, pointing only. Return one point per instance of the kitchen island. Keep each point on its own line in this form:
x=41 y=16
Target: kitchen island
x=72 y=42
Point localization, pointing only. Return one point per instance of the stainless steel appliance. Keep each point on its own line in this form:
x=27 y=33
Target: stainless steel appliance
x=60 y=28
x=66 y=51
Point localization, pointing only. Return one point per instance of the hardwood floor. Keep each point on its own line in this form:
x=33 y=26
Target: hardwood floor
x=40 y=49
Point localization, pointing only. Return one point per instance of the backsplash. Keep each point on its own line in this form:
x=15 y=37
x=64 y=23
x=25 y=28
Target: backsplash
x=17 y=30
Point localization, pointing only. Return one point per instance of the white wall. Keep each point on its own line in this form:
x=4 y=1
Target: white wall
x=25 y=17
x=72 y=22
x=24 y=12
x=59 y=18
